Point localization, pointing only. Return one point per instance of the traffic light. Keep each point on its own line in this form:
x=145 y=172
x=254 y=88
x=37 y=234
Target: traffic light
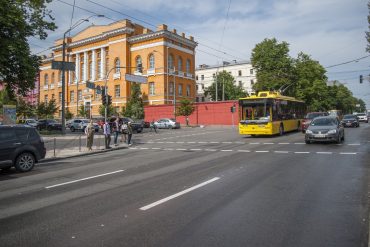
x=104 y=99
x=361 y=78
x=109 y=99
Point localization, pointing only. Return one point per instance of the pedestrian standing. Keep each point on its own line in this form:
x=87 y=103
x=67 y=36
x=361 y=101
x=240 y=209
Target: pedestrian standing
x=124 y=132
x=116 y=130
x=89 y=131
x=153 y=126
x=129 y=133
x=106 y=129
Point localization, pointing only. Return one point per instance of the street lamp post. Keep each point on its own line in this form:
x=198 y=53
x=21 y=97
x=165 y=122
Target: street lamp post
x=63 y=67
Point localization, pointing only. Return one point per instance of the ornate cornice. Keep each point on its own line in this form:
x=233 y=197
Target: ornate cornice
x=163 y=33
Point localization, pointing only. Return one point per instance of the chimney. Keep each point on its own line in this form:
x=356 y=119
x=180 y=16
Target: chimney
x=191 y=38
x=183 y=35
x=162 y=27
x=174 y=31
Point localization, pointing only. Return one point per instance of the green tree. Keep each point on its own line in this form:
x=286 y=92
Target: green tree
x=225 y=83
x=361 y=107
x=273 y=64
x=47 y=110
x=19 y=20
x=24 y=110
x=135 y=106
x=185 y=109
x=110 y=110
x=82 y=111
x=69 y=115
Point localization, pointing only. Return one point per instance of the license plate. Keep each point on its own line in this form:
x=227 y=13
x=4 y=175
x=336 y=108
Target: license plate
x=320 y=135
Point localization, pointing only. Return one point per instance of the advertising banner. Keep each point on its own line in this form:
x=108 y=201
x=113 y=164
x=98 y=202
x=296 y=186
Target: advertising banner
x=9 y=114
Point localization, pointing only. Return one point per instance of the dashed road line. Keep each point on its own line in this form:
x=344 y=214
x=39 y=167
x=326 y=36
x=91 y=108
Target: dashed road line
x=324 y=152
x=354 y=144
x=347 y=153
x=262 y=151
x=226 y=150
x=283 y=143
x=301 y=152
x=181 y=149
x=281 y=152
x=243 y=151
x=211 y=150
x=268 y=143
x=195 y=149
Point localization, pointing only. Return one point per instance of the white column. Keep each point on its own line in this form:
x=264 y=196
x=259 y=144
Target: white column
x=77 y=70
x=85 y=66
x=102 y=62
x=93 y=72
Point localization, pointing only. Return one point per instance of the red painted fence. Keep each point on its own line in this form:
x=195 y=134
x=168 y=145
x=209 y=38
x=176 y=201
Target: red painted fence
x=205 y=113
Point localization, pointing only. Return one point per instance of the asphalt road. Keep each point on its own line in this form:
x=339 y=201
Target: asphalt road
x=195 y=187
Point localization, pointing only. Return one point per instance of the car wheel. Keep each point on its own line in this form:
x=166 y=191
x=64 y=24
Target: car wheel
x=72 y=129
x=25 y=162
x=307 y=141
x=281 y=130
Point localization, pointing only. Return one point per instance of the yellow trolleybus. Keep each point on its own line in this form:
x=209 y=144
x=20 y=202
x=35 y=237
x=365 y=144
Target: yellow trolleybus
x=270 y=113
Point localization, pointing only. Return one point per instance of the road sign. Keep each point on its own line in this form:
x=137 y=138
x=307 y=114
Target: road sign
x=68 y=66
x=136 y=78
x=98 y=89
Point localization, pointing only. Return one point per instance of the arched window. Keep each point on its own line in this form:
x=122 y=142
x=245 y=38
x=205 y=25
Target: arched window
x=46 y=79
x=117 y=65
x=188 y=66
x=170 y=62
x=60 y=77
x=179 y=64
x=151 y=61
x=52 y=78
x=138 y=63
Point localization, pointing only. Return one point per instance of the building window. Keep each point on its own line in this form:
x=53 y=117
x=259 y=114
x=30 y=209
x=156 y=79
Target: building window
x=106 y=64
x=60 y=77
x=46 y=79
x=202 y=77
x=117 y=65
x=197 y=87
x=213 y=75
x=188 y=90
x=151 y=88
x=203 y=99
x=188 y=66
x=138 y=62
x=98 y=61
x=179 y=64
x=203 y=86
x=240 y=73
x=170 y=61
x=171 y=88
x=52 y=78
x=96 y=95
x=46 y=99
x=72 y=96
x=117 y=91
x=252 y=82
x=196 y=77
x=60 y=96
x=79 y=95
x=251 y=71
x=151 y=61
x=52 y=97
x=82 y=66
x=90 y=72
x=180 y=89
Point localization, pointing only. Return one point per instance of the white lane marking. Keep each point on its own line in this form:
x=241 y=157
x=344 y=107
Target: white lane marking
x=262 y=151
x=299 y=143
x=347 y=153
x=281 y=152
x=210 y=150
x=226 y=150
x=195 y=149
x=324 y=152
x=178 y=194
x=244 y=151
x=301 y=152
x=132 y=148
x=354 y=144
x=156 y=148
x=268 y=143
x=239 y=142
x=82 y=179
x=144 y=148
x=254 y=143
x=181 y=149
x=283 y=143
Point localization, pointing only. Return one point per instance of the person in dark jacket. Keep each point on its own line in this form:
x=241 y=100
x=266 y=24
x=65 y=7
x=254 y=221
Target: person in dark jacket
x=129 y=133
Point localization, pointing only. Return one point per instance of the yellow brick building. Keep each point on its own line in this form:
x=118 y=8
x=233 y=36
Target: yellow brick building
x=167 y=59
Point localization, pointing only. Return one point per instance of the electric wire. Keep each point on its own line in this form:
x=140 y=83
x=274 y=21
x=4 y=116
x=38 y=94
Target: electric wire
x=351 y=61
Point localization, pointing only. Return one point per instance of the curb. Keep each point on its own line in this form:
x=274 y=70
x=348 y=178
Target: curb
x=80 y=154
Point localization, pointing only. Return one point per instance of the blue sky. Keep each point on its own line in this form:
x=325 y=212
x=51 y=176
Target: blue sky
x=330 y=31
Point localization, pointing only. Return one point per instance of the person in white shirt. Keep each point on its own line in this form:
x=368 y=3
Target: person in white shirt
x=106 y=128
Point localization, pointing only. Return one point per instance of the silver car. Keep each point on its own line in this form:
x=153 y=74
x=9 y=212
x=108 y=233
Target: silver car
x=325 y=129
x=167 y=123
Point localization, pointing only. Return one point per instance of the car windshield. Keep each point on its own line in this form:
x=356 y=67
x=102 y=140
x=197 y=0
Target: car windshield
x=31 y=121
x=52 y=121
x=85 y=121
x=349 y=117
x=313 y=115
x=323 y=122
x=361 y=114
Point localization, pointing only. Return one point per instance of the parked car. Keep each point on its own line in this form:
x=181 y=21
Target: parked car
x=81 y=124
x=309 y=117
x=48 y=124
x=350 y=120
x=167 y=123
x=362 y=117
x=325 y=129
x=30 y=122
x=20 y=146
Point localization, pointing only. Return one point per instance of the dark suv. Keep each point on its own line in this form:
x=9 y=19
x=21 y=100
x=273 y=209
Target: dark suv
x=20 y=146
x=48 y=124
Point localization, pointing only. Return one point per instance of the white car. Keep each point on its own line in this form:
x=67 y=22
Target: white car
x=81 y=124
x=362 y=117
x=167 y=123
